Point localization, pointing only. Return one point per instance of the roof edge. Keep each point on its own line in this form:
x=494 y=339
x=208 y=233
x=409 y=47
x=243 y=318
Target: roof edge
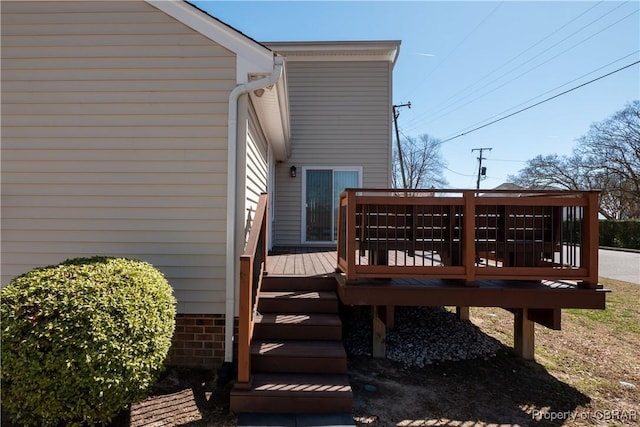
x=369 y=50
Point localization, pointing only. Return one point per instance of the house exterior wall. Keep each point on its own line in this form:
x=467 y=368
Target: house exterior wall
x=340 y=116
x=114 y=142
x=257 y=166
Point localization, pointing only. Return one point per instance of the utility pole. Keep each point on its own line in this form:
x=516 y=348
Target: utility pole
x=396 y=113
x=481 y=171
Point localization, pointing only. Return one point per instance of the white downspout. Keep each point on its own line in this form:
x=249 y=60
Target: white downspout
x=232 y=162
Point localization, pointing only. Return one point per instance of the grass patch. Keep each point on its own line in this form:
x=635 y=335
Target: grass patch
x=623 y=309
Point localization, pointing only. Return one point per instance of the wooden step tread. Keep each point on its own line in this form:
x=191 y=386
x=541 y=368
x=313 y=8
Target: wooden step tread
x=309 y=319
x=294 y=393
x=294 y=348
x=287 y=283
x=304 y=295
x=313 y=385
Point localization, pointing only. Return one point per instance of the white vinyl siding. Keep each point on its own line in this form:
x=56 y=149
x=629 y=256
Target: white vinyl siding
x=340 y=116
x=114 y=142
x=257 y=167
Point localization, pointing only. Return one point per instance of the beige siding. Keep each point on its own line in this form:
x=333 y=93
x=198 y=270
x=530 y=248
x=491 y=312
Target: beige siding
x=340 y=116
x=257 y=169
x=114 y=135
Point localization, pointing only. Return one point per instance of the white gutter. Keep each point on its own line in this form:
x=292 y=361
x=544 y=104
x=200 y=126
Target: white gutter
x=232 y=163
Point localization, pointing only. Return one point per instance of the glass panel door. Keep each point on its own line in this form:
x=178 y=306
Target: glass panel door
x=319 y=184
x=342 y=179
x=322 y=200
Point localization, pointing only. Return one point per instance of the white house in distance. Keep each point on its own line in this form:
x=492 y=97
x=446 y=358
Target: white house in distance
x=148 y=129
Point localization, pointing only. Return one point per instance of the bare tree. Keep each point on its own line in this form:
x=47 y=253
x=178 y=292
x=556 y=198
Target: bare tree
x=606 y=158
x=612 y=149
x=423 y=163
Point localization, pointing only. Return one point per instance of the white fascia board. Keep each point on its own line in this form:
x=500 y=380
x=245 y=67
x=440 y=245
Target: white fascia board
x=272 y=109
x=337 y=51
x=251 y=57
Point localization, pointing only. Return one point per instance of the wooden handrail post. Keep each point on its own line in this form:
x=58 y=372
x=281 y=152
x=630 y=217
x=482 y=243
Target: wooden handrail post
x=264 y=229
x=469 y=236
x=244 y=312
x=590 y=240
x=340 y=230
x=256 y=249
x=351 y=235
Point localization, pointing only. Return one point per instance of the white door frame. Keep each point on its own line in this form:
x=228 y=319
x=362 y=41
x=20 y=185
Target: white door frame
x=303 y=201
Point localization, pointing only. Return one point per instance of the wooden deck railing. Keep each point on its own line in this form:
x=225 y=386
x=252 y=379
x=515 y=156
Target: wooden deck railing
x=252 y=268
x=469 y=235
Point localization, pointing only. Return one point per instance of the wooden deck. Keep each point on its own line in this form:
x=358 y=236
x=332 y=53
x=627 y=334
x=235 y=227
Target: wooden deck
x=533 y=253
x=299 y=261
x=548 y=294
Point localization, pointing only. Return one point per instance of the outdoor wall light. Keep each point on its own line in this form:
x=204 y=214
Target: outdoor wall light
x=292 y=171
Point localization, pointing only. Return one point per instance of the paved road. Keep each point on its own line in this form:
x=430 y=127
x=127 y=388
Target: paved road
x=619 y=265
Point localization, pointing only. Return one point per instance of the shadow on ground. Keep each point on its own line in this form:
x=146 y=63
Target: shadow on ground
x=502 y=390
x=182 y=397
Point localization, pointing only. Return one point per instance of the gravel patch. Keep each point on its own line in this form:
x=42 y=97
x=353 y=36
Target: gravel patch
x=421 y=336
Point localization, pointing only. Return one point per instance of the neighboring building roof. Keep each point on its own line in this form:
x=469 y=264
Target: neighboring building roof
x=508 y=186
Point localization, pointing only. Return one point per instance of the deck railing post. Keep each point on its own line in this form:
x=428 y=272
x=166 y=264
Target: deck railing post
x=244 y=311
x=263 y=229
x=590 y=240
x=341 y=232
x=351 y=235
x=469 y=237
x=253 y=264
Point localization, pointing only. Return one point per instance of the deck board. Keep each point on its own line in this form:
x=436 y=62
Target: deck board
x=305 y=262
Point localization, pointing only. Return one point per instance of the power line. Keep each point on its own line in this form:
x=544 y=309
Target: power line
x=541 y=102
x=526 y=72
x=457 y=46
x=443 y=108
x=552 y=90
x=461 y=174
x=523 y=52
x=505 y=160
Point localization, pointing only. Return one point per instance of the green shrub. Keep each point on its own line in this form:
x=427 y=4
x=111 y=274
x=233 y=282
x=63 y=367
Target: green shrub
x=83 y=339
x=620 y=234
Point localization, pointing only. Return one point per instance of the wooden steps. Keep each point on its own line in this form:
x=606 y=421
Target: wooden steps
x=298 y=302
x=289 y=393
x=285 y=356
x=298 y=326
x=298 y=362
x=288 y=283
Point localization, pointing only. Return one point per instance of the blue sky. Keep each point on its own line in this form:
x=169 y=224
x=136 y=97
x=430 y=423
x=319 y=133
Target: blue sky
x=464 y=63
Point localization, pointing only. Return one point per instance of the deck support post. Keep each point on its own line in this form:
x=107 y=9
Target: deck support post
x=462 y=313
x=379 y=349
x=523 y=334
